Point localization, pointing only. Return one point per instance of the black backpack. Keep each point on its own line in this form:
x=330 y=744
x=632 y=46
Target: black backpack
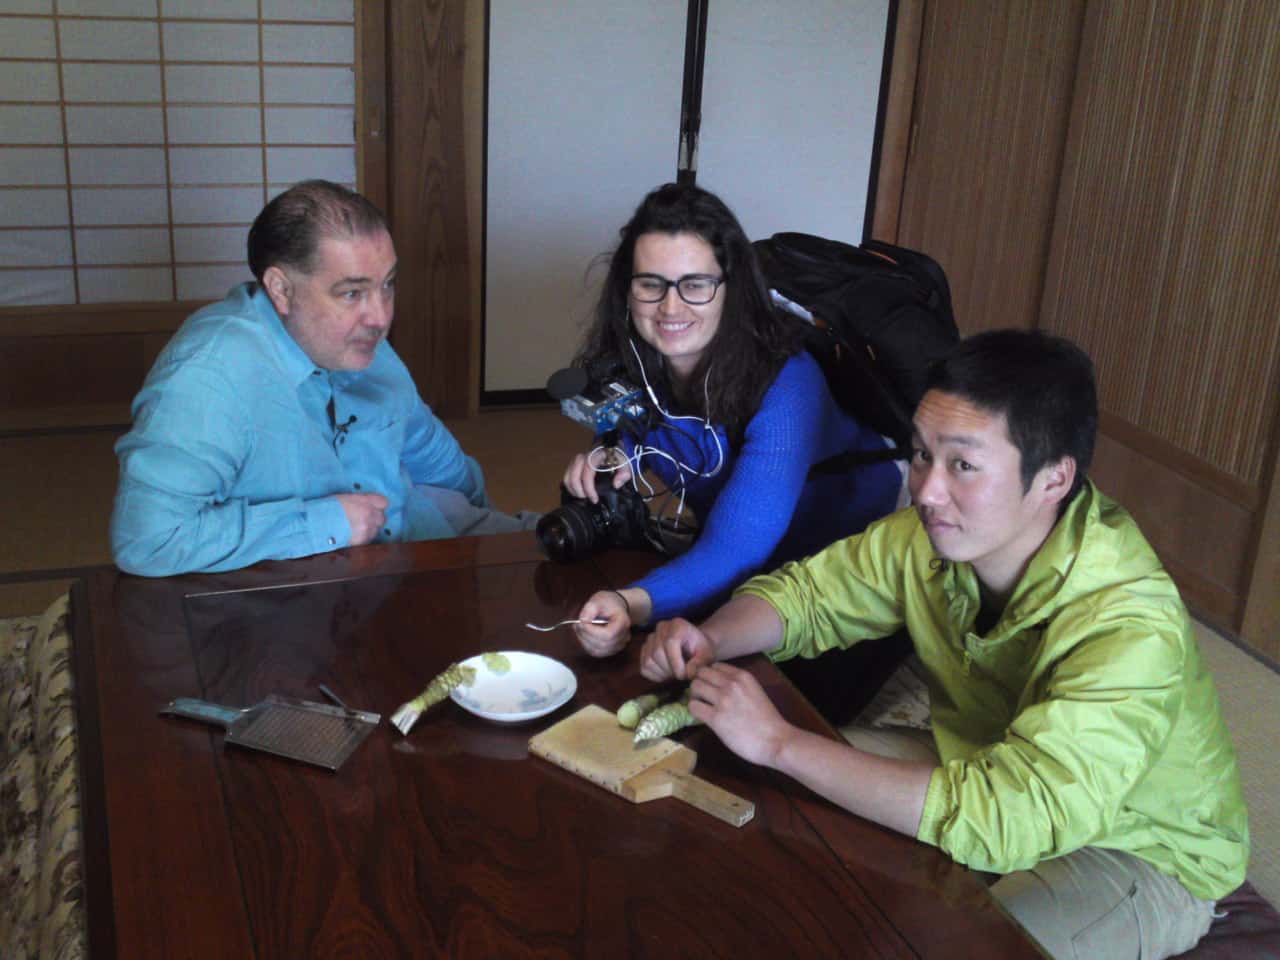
x=880 y=314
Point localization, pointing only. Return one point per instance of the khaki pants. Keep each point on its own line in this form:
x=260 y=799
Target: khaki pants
x=469 y=521
x=1092 y=904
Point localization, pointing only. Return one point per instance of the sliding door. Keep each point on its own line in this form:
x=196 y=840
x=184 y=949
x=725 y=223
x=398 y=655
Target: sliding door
x=1111 y=172
x=789 y=103
x=584 y=110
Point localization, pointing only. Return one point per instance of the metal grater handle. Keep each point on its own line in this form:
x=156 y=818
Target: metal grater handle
x=204 y=711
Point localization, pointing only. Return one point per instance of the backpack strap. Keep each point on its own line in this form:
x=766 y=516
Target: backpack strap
x=852 y=459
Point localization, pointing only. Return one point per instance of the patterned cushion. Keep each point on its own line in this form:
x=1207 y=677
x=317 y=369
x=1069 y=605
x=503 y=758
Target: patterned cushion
x=903 y=701
x=41 y=907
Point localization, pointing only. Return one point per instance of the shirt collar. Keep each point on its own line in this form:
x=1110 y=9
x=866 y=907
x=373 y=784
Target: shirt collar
x=296 y=363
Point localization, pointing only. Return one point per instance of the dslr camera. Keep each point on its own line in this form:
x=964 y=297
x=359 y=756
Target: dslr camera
x=599 y=397
x=579 y=528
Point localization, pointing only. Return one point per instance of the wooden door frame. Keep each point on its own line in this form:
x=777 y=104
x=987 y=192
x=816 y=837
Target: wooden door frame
x=906 y=22
x=421 y=102
x=371 y=101
x=1260 y=621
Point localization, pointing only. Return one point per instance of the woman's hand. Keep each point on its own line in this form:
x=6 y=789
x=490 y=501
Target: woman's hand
x=675 y=651
x=580 y=475
x=733 y=704
x=608 y=639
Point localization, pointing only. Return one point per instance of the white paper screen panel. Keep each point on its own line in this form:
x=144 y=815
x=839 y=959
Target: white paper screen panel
x=584 y=118
x=789 y=99
x=584 y=109
x=139 y=138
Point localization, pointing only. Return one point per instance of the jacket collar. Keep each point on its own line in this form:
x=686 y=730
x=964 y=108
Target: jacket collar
x=1044 y=584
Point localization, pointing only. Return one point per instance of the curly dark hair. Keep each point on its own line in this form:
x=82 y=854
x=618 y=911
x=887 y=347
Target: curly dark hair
x=753 y=340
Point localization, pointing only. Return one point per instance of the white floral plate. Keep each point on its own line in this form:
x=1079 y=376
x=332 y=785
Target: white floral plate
x=513 y=686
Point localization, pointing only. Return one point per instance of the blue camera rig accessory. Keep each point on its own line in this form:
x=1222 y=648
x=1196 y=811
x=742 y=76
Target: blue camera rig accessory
x=616 y=401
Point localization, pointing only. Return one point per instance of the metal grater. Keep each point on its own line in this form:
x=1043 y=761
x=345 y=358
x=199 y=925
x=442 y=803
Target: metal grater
x=314 y=733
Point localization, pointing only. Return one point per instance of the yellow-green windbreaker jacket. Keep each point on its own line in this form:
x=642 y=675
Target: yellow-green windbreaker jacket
x=1085 y=717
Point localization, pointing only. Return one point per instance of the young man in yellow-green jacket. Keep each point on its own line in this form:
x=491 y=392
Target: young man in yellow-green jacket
x=1078 y=749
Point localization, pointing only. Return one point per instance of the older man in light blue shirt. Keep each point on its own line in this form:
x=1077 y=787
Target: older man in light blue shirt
x=279 y=422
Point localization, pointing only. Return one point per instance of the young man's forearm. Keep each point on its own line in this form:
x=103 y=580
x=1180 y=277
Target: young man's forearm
x=887 y=791
x=743 y=626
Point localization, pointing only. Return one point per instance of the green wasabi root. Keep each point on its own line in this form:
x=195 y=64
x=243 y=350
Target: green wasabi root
x=456 y=675
x=665 y=720
x=634 y=710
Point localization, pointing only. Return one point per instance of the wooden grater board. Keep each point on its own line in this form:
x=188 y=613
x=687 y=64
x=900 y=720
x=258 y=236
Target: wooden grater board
x=591 y=744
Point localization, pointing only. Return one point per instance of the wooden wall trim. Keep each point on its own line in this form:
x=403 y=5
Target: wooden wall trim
x=475 y=119
x=895 y=137
x=1176 y=514
x=97 y=320
x=371 y=101
x=1231 y=488
x=1260 y=625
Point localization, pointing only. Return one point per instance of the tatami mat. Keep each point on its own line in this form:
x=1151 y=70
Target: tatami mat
x=1250 y=692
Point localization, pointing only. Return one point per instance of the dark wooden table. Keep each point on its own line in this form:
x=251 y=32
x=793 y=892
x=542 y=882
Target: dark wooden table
x=452 y=841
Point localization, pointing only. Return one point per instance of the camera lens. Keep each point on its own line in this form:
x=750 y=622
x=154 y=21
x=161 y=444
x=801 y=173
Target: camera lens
x=567 y=533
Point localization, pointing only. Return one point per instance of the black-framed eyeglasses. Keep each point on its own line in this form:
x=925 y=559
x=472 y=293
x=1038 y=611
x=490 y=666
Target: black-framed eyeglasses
x=694 y=289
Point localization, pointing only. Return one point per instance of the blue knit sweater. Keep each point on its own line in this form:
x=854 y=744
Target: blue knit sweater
x=760 y=509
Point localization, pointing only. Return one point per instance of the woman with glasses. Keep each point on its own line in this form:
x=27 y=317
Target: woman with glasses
x=738 y=412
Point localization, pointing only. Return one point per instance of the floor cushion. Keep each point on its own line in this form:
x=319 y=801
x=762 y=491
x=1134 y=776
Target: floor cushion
x=41 y=905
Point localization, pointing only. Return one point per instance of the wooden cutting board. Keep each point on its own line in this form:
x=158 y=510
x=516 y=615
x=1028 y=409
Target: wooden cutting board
x=591 y=744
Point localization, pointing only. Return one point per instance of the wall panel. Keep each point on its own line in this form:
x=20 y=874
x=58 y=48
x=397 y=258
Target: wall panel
x=1211 y=570
x=989 y=121
x=1111 y=172
x=61 y=368
x=148 y=98
x=1163 y=262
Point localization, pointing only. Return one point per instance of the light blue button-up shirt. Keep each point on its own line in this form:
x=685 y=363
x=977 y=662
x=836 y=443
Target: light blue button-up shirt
x=240 y=443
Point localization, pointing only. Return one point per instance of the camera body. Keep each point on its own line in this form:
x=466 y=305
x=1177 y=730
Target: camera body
x=579 y=528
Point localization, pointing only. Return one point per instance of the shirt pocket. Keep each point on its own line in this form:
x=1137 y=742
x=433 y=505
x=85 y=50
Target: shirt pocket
x=372 y=457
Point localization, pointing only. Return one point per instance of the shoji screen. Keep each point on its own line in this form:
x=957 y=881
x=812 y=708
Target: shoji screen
x=138 y=138
x=789 y=103
x=583 y=119
x=584 y=116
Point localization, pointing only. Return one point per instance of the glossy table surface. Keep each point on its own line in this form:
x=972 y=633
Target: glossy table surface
x=452 y=841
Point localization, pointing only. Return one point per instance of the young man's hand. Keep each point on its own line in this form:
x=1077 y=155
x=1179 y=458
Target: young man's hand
x=675 y=651
x=732 y=703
